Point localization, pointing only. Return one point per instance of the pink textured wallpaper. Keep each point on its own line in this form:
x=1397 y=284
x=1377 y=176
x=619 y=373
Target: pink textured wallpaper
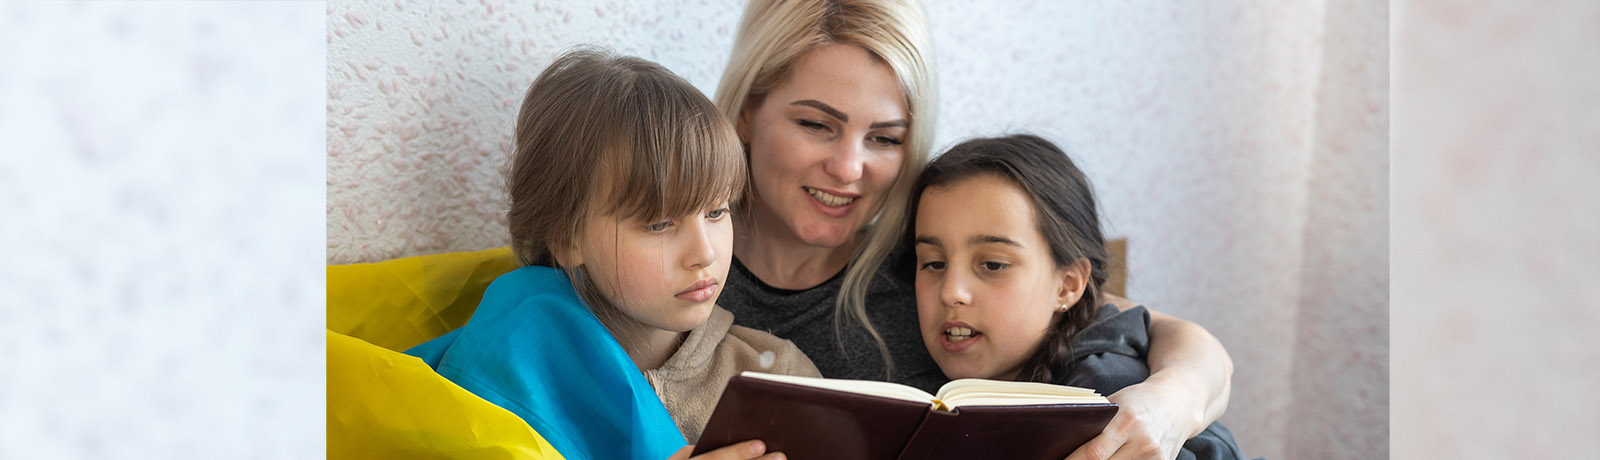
x=422 y=97
x=1241 y=147
x=1340 y=366
x=1497 y=230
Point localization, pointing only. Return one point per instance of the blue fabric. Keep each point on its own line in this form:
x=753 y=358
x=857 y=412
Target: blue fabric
x=533 y=348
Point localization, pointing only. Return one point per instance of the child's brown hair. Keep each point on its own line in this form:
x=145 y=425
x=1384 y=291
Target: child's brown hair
x=619 y=136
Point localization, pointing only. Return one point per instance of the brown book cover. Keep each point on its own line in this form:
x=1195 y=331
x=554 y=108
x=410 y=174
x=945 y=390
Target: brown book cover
x=806 y=423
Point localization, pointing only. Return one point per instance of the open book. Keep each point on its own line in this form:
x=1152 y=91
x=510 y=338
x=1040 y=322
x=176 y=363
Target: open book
x=811 y=418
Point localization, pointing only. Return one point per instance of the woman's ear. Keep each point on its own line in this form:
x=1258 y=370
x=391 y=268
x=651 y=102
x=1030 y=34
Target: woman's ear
x=1074 y=279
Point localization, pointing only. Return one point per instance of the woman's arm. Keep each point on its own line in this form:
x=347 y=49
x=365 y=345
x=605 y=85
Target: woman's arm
x=1188 y=388
x=1184 y=355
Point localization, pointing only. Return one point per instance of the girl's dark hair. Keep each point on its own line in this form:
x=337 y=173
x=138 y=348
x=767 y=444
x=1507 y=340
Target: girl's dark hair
x=1064 y=207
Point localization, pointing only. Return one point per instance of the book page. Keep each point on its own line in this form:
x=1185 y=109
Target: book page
x=868 y=387
x=982 y=392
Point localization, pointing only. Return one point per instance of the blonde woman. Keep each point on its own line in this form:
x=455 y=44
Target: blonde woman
x=834 y=101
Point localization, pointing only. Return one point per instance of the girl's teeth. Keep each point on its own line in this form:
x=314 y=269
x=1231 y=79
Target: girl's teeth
x=829 y=199
x=958 y=334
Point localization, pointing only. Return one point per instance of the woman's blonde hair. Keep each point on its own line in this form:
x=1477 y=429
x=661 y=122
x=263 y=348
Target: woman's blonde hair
x=774 y=34
x=618 y=136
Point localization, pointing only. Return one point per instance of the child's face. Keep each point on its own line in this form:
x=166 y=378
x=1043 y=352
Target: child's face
x=987 y=287
x=664 y=275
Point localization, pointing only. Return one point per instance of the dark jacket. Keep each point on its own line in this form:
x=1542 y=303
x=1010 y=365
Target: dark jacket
x=1111 y=354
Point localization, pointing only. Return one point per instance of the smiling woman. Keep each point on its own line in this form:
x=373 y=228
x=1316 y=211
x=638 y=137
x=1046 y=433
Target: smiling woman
x=825 y=146
x=834 y=103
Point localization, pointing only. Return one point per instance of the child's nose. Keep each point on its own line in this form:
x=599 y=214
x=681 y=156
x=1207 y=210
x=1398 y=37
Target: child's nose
x=701 y=248
x=955 y=292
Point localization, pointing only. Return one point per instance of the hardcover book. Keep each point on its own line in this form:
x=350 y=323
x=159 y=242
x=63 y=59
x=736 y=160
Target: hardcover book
x=813 y=418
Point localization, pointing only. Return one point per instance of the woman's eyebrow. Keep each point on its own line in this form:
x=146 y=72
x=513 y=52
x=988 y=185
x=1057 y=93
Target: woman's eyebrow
x=819 y=105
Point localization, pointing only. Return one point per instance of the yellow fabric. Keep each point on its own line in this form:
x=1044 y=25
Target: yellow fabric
x=400 y=303
x=386 y=404
x=390 y=405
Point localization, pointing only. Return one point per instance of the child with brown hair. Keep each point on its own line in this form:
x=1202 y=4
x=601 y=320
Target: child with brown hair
x=623 y=177
x=1009 y=265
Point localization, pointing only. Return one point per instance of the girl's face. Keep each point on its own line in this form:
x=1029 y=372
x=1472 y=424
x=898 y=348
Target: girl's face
x=987 y=287
x=826 y=144
x=664 y=275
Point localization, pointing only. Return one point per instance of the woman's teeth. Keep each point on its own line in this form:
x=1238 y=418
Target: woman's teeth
x=828 y=198
x=958 y=334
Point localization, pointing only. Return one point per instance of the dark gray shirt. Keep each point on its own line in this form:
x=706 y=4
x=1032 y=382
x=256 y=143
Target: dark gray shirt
x=1112 y=353
x=806 y=317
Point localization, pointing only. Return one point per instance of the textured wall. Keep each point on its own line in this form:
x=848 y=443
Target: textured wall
x=1340 y=378
x=160 y=230
x=422 y=97
x=1223 y=140
x=1496 y=230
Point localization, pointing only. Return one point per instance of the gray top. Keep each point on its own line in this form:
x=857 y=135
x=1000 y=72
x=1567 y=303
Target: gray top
x=1113 y=353
x=806 y=317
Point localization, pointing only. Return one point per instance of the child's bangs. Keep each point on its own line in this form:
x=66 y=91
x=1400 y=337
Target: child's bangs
x=678 y=167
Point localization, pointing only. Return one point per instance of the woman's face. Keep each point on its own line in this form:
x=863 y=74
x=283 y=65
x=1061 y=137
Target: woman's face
x=826 y=145
x=987 y=286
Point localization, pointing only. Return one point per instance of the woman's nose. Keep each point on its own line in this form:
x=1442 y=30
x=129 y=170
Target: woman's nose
x=846 y=163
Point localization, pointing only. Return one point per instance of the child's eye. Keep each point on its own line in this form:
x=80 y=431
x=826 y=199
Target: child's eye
x=718 y=214
x=658 y=227
x=994 y=266
x=932 y=265
x=887 y=141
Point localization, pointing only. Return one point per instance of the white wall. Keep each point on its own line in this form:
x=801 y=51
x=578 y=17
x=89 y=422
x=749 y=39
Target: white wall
x=1240 y=147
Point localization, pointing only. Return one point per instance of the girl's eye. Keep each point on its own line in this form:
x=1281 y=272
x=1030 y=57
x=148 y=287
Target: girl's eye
x=887 y=141
x=994 y=266
x=658 y=227
x=812 y=125
x=934 y=265
x=718 y=214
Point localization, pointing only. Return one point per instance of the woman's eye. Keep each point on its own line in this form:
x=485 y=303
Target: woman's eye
x=812 y=125
x=934 y=265
x=994 y=266
x=718 y=214
x=658 y=227
x=887 y=141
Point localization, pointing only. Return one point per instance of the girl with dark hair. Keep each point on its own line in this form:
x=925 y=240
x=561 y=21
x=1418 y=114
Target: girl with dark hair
x=1010 y=262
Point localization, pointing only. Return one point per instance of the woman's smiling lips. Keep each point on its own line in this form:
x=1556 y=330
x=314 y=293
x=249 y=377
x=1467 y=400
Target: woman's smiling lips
x=831 y=203
x=700 y=291
x=957 y=336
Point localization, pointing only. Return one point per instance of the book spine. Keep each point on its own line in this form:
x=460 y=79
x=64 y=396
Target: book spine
x=930 y=433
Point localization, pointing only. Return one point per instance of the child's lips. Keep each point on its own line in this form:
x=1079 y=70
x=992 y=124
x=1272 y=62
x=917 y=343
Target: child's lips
x=700 y=291
x=957 y=336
